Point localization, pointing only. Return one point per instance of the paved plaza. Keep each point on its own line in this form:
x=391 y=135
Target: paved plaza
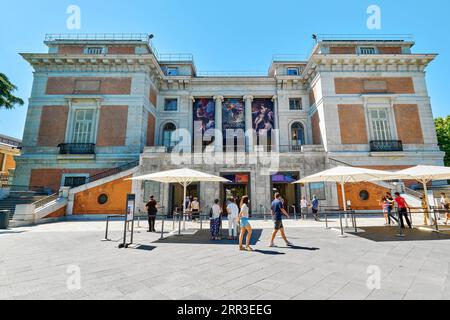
x=43 y=262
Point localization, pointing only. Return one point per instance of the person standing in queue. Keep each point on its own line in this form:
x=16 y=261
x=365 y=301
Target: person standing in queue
x=152 y=211
x=402 y=210
x=277 y=213
x=245 y=224
x=233 y=215
x=391 y=202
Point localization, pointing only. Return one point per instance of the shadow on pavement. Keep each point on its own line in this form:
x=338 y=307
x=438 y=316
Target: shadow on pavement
x=386 y=234
x=143 y=247
x=269 y=252
x=10 y=232
x=203 y=237
x=303 y=248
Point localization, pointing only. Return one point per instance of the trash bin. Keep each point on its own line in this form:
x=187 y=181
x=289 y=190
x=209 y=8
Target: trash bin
x=4 y=219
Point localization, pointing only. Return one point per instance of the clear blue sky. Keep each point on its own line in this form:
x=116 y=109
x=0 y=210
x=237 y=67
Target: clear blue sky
x=224 y=35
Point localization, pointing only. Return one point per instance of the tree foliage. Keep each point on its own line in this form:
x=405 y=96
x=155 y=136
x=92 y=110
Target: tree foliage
x=443 y=133
x=7 y=99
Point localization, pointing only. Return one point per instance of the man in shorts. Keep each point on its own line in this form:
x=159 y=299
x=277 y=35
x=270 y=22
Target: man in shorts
x=277 y=214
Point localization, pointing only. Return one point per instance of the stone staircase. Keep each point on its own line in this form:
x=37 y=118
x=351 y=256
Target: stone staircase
x=21 y=197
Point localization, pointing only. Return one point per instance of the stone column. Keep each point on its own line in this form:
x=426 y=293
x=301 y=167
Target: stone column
x=218 y=143
x=277 y=123
x=191 y=123
x=248 y=123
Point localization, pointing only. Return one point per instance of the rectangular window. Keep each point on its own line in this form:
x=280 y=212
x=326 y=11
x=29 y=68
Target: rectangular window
x=295 y=104
x=367 y=50
x=292 y=71
x=83 y=126
x=172 y=71
x=170 y=104
x=94 y=50
x=74 y=182
x=318 y=189
x=381 y=128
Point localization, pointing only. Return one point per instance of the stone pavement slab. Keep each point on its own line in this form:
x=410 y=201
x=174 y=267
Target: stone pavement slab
x=44 y=262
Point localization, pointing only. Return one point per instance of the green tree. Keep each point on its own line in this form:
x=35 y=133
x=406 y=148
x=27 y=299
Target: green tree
x=443 y=134
x=7 y=99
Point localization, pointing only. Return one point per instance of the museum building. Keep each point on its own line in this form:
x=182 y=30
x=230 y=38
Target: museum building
x=104 y=108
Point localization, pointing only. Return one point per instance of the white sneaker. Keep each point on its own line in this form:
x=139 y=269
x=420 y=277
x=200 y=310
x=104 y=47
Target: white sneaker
x=272 y=245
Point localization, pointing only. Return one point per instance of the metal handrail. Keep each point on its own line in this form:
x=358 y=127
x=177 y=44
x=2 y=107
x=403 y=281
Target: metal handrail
x=412 y=192
x=97 y=36
x=76 y=148
x=175 y=57
x=289 y=58
x=386 y=145
x=365 y=37
x=43 y=202
x=231 y=74
x=10 y=141
x=113 y=171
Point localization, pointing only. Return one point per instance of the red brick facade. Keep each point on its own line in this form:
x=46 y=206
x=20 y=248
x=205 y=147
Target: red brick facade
x=72 y=85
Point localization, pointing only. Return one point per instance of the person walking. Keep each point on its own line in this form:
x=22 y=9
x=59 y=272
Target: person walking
x=277 y=213
x=304 y=205
x=233 y=214
x=216 y=213
x=384 y=206
x=402 y=210
x=152 y=210
x=445 y=202
x=391 y=202
x=315 y=206
x=245 y=225
x=445 y=205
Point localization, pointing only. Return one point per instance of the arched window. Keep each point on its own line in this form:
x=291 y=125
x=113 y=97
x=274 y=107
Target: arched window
x=297 y=135
x=167 y=136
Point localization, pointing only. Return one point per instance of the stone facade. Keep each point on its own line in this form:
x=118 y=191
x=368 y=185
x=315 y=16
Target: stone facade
x=340 y=98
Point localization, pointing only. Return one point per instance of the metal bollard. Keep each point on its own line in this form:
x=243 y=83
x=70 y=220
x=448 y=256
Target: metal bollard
x=342 y=227
x=179 y=224
x=436 y=220
x=354 y=222
x=201 y=221
x=326 y=220
x=162 y=227
x=400 y=219
x=410 y=216
x=107 y=228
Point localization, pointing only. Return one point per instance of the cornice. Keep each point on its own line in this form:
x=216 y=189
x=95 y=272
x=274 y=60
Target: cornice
x=366 y=63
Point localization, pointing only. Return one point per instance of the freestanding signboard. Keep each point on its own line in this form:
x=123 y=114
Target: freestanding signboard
x=130 y=209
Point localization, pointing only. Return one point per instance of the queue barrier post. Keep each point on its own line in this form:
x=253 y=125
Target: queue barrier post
x=107 y=229
x=400 y=220
x=354 y=221
x=342 y=235
x=162 y=226
x=436 y=219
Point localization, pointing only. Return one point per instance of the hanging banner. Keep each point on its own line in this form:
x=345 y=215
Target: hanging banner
x=233 y=114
